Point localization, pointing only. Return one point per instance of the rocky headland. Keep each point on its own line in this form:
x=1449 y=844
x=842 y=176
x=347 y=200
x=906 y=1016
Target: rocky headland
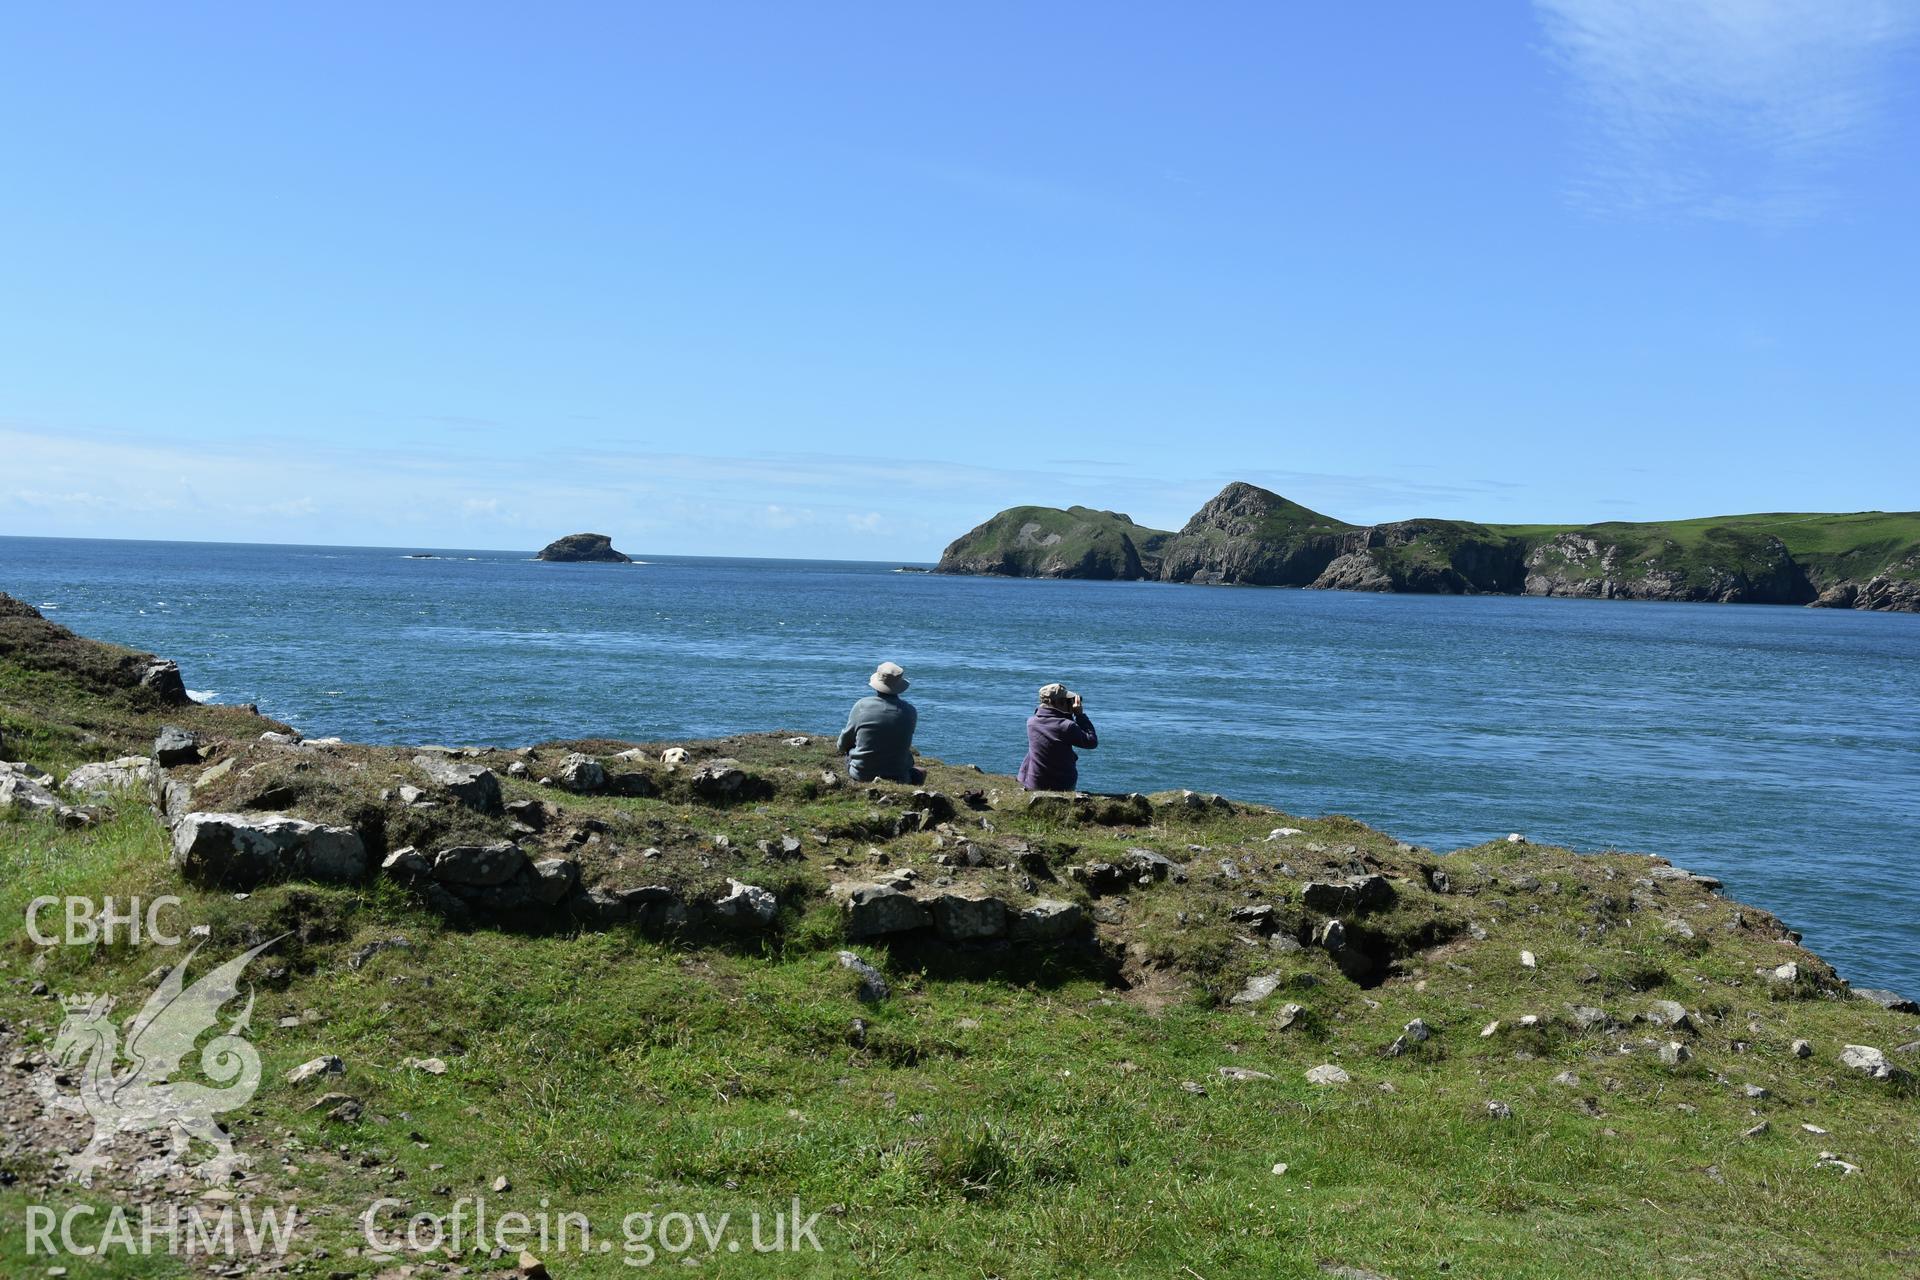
x=1253 y=537
x=583 y=548
x=565 y=924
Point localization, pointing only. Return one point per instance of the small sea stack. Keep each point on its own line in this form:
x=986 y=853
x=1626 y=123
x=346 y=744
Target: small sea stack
x=583 y=548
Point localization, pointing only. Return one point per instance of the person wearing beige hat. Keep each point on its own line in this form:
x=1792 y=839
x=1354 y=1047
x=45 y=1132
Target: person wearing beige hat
x=878 y=739
x=1058 y=726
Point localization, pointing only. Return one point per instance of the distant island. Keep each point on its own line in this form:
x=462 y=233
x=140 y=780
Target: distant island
x=583 y=548
x=1253 y=537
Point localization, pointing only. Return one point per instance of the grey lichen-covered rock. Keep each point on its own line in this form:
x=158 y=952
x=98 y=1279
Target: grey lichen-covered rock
x=241 y=850
x=554 y=879
x=26 y=790
x=326 y=1064
x=473 y=785
x=721 y=779
x=1242 y=1074
x=580 y=774
x=1257 y=988
x=746 y=906
x=873 y=986
x=1328 y=1073
x=1867 y=1060
x=1145 y=864
x=1669 y=1013
x=1588 y=1017
x=874 y=910
x=208 y=776
x=480 y=866
x=1348 y=896
x=171 y=798
x=161 y=677
x=175 y=746
x=407 y=863
x=109 y=778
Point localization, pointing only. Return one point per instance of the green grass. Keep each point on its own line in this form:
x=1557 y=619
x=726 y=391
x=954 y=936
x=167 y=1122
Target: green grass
x=1028 y=1127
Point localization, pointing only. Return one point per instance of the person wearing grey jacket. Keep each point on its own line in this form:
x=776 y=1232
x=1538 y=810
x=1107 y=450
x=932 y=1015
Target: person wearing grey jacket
x=878 y=739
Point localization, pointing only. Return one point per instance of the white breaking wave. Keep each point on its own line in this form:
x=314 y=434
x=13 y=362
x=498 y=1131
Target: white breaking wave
x=203 y=695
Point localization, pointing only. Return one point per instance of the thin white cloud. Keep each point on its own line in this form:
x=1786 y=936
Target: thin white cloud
x=1734 y=110
x=119 y=484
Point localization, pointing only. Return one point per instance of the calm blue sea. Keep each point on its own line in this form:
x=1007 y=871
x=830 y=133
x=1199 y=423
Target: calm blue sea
x=1778 y=748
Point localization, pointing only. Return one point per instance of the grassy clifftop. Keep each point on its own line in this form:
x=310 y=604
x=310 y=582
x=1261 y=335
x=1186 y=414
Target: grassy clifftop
x=1048 y=542
x=1864 y=559
x=1268 y=1044
x=1251 y=536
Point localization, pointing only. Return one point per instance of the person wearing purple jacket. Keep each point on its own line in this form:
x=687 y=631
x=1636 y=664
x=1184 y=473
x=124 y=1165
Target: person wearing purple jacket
x=1053 y=732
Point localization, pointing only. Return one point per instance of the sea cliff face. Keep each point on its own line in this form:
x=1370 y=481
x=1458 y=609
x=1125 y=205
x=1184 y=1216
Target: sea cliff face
x=1250 y=536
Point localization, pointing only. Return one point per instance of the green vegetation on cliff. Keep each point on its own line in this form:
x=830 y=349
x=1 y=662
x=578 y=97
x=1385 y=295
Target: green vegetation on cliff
x=1536 y=1064
x=1048 y=542
x=1251 y=536
x=1786 y=557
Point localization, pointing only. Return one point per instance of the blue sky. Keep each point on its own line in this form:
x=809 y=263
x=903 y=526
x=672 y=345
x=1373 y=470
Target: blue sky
x=843 y=280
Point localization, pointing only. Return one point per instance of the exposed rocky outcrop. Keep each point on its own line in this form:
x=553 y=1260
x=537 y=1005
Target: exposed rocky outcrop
x=24 y=790
x=467 y=783
x=1881 y=592
x=1251 y=536
x=108 y=778
x=583 y=548
x=26 y=635
x=240 y=851
x=1727 y=567
x=1431 y=557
